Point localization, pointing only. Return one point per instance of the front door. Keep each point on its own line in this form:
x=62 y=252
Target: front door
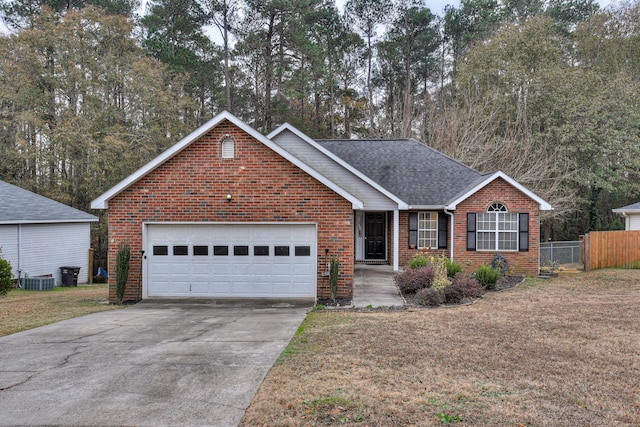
x=374 y=235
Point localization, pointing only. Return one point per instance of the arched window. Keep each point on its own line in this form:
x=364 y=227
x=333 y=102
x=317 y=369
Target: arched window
x=497 y=207
x=497 y=229
x=228 y=148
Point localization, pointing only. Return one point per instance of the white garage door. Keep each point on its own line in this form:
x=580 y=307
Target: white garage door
x=231 y=260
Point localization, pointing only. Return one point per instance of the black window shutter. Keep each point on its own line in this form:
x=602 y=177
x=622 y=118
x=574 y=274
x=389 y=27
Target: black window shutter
x=442 y=230
x=471 y=231
x=523 y=232
x=413 y=229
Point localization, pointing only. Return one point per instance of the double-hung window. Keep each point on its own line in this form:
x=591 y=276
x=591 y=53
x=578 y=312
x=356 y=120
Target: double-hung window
x=497 y=229
x=428 y=230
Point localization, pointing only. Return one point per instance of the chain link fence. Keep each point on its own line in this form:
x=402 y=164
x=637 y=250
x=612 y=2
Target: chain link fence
x=560 y=252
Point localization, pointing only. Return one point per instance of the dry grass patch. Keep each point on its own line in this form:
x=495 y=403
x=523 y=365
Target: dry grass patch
x=21 y=310
x=559 y=352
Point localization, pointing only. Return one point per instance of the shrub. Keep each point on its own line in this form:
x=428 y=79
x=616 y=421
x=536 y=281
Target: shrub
x=440 y=282
x=439 y=265
x=453 y=267
x=6 y=277
x=334 y=269
x=487 y=276
x=453 y=294
x=122 y=269
x=430 y=297
x=418 y=261
x=470 y=286
x=410 y=281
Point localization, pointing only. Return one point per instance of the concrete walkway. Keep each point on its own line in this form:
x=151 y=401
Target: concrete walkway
x=374 y=286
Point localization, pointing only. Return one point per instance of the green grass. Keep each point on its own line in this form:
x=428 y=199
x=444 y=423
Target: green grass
x=21 y=310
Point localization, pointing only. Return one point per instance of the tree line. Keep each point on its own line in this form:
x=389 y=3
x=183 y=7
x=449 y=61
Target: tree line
x=544 y=90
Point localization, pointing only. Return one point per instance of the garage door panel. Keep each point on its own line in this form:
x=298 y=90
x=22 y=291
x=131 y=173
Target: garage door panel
x=243 y=288
x=180 y=286
x=221 y=288
x=161 y=287
x=200 y=268
x=262 y=269
x=200 y=287
x=180 y=268
x=280 y=269
x=260 y=288
x=162 y=268
x=299 y=268
x=231 y=260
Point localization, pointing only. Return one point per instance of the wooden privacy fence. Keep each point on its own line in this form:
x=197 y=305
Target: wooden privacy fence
x=605 y=249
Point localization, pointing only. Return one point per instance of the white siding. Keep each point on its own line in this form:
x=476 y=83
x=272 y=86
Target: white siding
x=633 y=222
x=47 y=247
x=372 y=198
x=9 y=245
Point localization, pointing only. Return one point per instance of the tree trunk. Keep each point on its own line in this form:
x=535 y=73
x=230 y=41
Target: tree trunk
x=268 y=50
x=227 y=83
x=369 y=86
x=406 y=108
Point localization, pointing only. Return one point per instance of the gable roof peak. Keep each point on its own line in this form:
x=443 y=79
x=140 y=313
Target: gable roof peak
x=486 y=179
x=102 y=201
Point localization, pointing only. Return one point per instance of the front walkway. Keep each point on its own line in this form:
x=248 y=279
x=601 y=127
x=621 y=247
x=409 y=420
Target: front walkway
x=374 y=286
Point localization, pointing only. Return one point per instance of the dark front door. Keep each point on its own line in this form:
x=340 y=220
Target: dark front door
x=374 y=235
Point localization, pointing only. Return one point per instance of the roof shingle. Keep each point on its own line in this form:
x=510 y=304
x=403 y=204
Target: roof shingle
x=633 y=207
x=418 y=174
x=20 y=206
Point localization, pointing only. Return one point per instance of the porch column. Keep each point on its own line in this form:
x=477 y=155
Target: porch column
x=396 y=238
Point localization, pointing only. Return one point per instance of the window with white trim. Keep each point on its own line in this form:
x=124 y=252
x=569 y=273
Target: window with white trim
x=228 y=148
x=428 y=230
x=497 y=229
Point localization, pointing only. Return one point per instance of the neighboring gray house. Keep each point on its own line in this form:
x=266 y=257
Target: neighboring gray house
x=39 y=235
x=631 y=215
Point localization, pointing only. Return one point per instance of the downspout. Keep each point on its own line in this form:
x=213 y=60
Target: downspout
x=452 y=233
x=19 y=254
x=396 y=239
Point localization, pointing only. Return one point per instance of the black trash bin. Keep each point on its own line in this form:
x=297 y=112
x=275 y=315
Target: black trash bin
x=69 y=276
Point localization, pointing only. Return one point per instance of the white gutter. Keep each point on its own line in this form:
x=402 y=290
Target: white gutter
x=427 y=207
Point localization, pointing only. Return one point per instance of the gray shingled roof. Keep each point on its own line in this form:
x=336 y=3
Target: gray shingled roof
x=418 y=174
x=633 y=207
x=19 y=206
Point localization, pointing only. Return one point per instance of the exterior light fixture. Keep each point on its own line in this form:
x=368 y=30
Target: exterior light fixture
x=229 y=197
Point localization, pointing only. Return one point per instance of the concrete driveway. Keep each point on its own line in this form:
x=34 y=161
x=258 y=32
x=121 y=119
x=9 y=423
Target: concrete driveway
x=158 y=363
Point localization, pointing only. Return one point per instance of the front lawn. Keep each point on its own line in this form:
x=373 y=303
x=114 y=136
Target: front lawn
x=21 y=310
x=560 y=352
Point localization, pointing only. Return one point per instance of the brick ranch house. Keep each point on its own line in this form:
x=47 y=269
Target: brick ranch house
x=229 y=212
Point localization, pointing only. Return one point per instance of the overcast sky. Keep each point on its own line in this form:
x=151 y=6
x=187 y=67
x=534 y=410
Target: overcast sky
x=437 y=6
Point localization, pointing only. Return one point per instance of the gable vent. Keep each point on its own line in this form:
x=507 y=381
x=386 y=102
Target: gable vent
x=228 y=148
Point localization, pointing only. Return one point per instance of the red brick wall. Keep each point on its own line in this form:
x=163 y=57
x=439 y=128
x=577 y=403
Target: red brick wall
x=515 y=201
x=192 y=187
x=498 y=191
x=405 y=253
